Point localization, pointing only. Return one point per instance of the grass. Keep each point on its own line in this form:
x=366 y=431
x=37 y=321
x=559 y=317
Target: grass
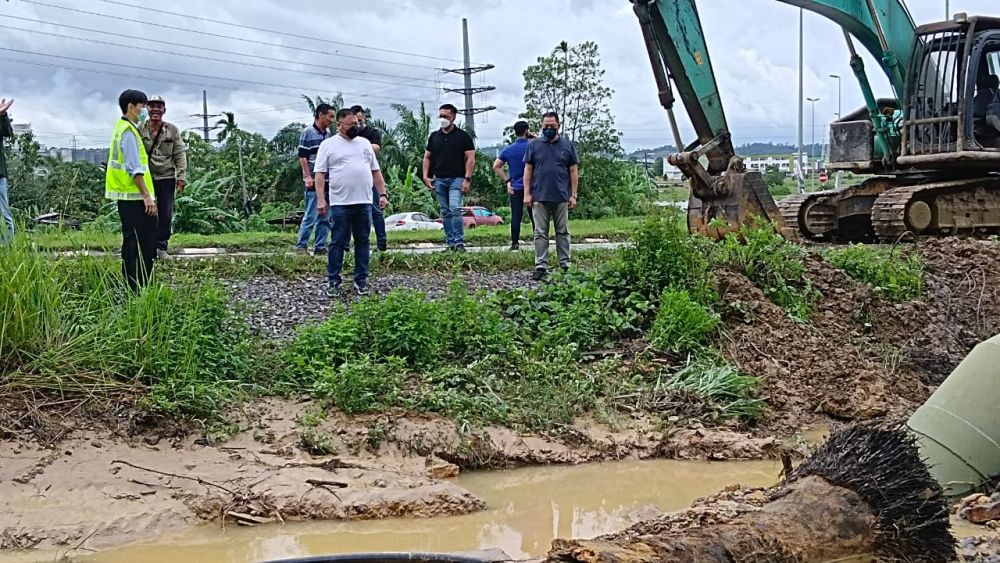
x=613 y=229
x=897 y=275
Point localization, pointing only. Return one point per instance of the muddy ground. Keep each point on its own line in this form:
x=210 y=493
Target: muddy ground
x=860 y=358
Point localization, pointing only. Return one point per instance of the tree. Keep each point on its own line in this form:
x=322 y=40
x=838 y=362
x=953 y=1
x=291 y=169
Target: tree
x=570 y=81
x=228 y=124
x=336 y=101
x=286 y=140
x=657 y=169
x=773 y=176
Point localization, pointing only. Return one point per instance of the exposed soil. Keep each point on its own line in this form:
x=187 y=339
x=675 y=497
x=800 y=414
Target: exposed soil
x=862 y=356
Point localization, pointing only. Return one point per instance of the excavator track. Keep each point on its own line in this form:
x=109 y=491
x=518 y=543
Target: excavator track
x=834 y=215
x=951 y=208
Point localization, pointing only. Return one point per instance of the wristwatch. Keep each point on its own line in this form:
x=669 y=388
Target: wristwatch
x=469 y=178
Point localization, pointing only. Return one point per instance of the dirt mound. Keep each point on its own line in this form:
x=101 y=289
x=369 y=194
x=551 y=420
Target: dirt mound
x=862 y=356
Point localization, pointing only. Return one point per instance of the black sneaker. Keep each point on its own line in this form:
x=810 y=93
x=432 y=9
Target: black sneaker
x=361 y=287
x=514 y=246
x=320 y=252
x=539 y=274
x=333 y=291
x=382 y=246
x=460 y=248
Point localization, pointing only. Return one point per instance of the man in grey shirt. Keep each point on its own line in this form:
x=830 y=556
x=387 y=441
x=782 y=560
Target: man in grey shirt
x=551 y=180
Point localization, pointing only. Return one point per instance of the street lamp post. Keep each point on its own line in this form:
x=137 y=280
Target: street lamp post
x=812 y=147
x=947 y=10
x=840 y=115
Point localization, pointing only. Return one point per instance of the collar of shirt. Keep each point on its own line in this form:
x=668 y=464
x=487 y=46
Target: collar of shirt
x=320 y=131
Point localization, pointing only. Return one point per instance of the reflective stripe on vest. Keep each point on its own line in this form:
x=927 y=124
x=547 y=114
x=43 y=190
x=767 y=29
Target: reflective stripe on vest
x=118 y=183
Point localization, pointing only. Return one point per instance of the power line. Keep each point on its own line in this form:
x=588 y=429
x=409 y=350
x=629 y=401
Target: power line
x=168 y=80
x=277 y=32
x=221 y=35
x=202 y=57
x=145 y=68
x=186 y=45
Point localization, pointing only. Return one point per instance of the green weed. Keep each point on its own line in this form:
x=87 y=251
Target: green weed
x=361 y=386
x=900 y=277
x=681 y=324
x=730 y=393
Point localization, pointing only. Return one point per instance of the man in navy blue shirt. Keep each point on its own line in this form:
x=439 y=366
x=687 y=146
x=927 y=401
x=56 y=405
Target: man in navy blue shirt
x=551 y=180
x=310 y=140
x=513 y=157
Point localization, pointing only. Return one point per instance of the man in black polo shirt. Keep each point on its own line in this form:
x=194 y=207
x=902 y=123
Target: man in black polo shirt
x=449 y=162
x=551 y=180
x=374 y=137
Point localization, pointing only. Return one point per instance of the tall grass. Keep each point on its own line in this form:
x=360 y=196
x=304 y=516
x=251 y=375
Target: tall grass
x=70 y=327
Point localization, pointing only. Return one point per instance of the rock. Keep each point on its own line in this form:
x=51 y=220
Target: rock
x=151 y=440
x=982 y=513
x=438 y=468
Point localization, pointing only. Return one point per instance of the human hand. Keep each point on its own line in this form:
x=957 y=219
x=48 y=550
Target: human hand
x=5 y=105
x=527 y=199
x=465 y=186
x=510 y=188
x=150 y=205
x=322 y=207
x=572 y=202
x=180 y=186
x=429 y=184
x=383 y=202
x=310 y=182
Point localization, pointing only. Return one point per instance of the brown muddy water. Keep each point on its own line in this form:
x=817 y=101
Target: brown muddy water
x=527 y=509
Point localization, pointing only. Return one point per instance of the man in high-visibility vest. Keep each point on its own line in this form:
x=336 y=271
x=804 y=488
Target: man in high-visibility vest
x=125 y=182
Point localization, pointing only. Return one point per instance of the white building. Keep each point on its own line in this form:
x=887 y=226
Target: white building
x=21 y=128
x=671 y=172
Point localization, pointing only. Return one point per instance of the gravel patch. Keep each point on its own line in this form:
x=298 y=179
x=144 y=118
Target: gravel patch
x=275 y=306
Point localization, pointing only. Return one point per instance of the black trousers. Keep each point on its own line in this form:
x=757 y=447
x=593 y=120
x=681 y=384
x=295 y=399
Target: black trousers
x=164 y=190
x=138 y=243
x=516 y=214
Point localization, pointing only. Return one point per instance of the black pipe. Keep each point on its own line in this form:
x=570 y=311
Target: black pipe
x=376 y=557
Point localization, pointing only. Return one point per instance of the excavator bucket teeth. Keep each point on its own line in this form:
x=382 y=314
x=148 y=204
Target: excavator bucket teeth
x=745 y=200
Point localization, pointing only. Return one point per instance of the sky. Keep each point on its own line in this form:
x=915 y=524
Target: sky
x=66 y=61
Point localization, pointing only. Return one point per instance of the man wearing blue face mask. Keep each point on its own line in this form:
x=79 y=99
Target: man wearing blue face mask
x=551 y=179
x=126 y=182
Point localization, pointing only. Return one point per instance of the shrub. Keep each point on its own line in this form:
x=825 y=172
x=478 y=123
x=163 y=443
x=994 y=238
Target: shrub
x=405 y=325
x=322 y=347
x=899 y=277
x=775 y=265
x=681 y=324
x=470 y=327
x=361 y=385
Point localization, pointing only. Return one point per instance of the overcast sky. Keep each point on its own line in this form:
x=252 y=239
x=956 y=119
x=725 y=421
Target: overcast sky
x=379 y=52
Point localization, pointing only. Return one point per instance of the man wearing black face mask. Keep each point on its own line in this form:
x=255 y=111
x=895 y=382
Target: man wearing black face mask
x=551 y=180
x=349 y=162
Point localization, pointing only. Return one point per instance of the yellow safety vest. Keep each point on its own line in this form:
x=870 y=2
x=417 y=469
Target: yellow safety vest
x=118 y=183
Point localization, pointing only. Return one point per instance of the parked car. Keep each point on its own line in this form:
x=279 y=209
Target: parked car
x=411 y=222
x=473 y=217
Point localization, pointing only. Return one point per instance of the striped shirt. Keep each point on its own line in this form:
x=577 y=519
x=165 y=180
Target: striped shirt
x=310 y=140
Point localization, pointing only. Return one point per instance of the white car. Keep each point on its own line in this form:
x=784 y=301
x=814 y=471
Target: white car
x=411 y=222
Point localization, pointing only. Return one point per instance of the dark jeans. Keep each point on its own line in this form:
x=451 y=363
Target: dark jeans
x=378 y=220
x=138 y=243
x=164 y=190
x=516 y=214
x=349 y=220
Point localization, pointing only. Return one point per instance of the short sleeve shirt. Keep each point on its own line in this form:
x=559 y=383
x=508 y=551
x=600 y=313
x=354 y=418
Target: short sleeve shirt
x=309 y=142
x=448 y=152
x=373 y=135
x=550 y=163
x=348 y=164
x=513 y=155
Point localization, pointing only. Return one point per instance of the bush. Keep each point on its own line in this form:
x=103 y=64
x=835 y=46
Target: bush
x=899 y=277
x=681 y=324
x=318 y=348
x=405 y=325
x=775 y=265
x=361 y=385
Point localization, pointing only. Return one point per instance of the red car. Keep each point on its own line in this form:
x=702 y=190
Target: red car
x=473 y=217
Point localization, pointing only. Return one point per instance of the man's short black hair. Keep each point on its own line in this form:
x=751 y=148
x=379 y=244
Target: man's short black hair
x=357 y=109
x=551 y=114
x=449 y=107
x=322 y=109
x=520 y=128
x=344 y=113
x=131 y=97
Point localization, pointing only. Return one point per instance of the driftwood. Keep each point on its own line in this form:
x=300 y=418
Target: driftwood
x=865 y=492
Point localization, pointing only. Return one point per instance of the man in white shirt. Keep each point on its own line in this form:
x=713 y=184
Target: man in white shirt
x=347 y=163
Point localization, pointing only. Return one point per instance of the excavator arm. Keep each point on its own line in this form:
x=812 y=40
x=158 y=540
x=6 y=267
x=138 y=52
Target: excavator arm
x=723 y=194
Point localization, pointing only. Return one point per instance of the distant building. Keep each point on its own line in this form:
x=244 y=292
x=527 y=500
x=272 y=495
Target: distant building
x=93 y=156
x=785 y=163
x=671 y=172
x=21 y=128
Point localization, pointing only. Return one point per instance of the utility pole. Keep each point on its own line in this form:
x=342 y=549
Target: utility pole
x=840 y=115
x=812 y=147
x=801 y=171
x=947 y=10
x=467 y=71
x=204 y=115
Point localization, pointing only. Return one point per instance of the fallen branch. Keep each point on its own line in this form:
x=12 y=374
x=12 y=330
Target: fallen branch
x=326 y=483
x=198 y=480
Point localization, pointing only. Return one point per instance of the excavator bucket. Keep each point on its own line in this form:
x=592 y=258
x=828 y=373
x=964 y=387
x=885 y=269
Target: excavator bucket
x=738 y=199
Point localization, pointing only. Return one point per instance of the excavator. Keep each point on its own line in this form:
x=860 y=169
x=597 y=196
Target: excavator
x=930 y=152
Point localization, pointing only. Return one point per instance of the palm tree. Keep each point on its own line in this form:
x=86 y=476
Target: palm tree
x=409 y=137
x=336 y=101
x=228 y=124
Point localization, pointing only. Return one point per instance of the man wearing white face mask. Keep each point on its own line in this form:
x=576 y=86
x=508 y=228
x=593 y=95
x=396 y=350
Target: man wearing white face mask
x=449 y=162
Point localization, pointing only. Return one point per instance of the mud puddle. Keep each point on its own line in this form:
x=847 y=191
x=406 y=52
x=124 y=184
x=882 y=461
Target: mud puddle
x=526 y=509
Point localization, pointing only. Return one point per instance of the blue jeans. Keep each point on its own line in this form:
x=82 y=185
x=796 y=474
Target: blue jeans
x=8 y=232
x=378 y=220
x=312 y=219
x=449 y=195
x=349 y=220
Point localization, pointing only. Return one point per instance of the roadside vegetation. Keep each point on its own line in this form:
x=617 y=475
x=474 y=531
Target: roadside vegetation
x=889 y=270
